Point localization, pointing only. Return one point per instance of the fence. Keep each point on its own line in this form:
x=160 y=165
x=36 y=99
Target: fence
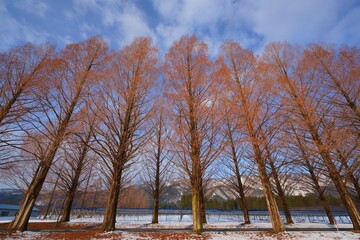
x=212 y=215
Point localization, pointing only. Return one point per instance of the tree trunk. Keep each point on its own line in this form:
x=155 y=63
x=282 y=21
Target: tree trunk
x=280 y=192
x=345 y=196
x=241 y=193
x=202 y=204
x=321 y=194
x=75 y=179
x=315 y=180
x=277 y=224
x=85 y=190
x=349 y=173
x=21 y=220
x=111 y=209
x=155 y=218
x=51 y=197
x=239 y=187
x=196 y=210
x=65 y=216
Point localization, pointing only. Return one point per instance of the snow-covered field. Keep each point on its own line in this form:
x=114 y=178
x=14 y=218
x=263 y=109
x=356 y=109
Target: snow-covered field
x=127 y=229
x=215 y=235
x=218 y=227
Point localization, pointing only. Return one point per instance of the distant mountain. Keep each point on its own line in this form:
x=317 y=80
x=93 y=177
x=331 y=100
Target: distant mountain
x=220 y=189
x=10 y=196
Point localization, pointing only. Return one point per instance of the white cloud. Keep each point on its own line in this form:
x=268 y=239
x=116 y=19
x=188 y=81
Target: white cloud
x=123 y=16
x=298 y=21
x=346 y=30
x=255 y=23
x=13 y=32
x=305 y=21
x=199 y=17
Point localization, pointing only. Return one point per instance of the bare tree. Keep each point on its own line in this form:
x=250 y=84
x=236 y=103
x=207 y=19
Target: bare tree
x=77 y=163
x=21 y=71
x=234 y=152
x=339 y=70
x=58 y=96
x=273 y=159
x=252 y=98
x=123 y=106
x=157 y=163
x=51 y=197
x=300 y=149
x=194 y=124
x=304 y=97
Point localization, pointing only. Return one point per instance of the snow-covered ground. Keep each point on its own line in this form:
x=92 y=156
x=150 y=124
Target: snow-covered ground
x=256 y=229
x=254 y=235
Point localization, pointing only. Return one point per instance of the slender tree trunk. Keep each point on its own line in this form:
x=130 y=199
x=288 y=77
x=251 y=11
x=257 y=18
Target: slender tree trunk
x=75 y=179
x=345 y=196
x=321 y=194
x=155 y=218
x=315 y=180
x=241 y=193
x=277 y=224
x=85 y=190
x=280 y=192
x=240 y=190
x=202 y=202
x=239 y=185
x=51 y=197
x=349 y=173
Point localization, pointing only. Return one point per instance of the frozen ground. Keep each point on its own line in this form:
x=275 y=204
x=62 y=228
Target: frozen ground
x=130 y=229
x=206 y=235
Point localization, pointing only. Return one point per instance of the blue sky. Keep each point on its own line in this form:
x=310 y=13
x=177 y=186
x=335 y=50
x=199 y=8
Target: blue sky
x=253 y=23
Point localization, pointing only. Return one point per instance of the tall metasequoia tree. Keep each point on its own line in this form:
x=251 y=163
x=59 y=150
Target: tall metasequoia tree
x=303 y=95
x=339 y=68
x=157 y=162
x=193 y=101
x=58 y=97
x=278 y=185
x=251 y=96
x=308 y=163
x=232 y=151
x=123 y=107
x=77 y=162
x=21 y=70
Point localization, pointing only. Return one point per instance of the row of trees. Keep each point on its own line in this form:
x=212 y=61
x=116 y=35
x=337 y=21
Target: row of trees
x=290 y=110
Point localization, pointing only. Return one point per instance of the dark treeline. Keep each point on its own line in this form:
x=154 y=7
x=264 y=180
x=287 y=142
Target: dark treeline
x=259 y=203
x=84 y=119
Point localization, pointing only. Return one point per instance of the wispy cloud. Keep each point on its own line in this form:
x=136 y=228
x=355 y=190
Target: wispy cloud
x=252 y=23
x=13 y=32
x=123 y=16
